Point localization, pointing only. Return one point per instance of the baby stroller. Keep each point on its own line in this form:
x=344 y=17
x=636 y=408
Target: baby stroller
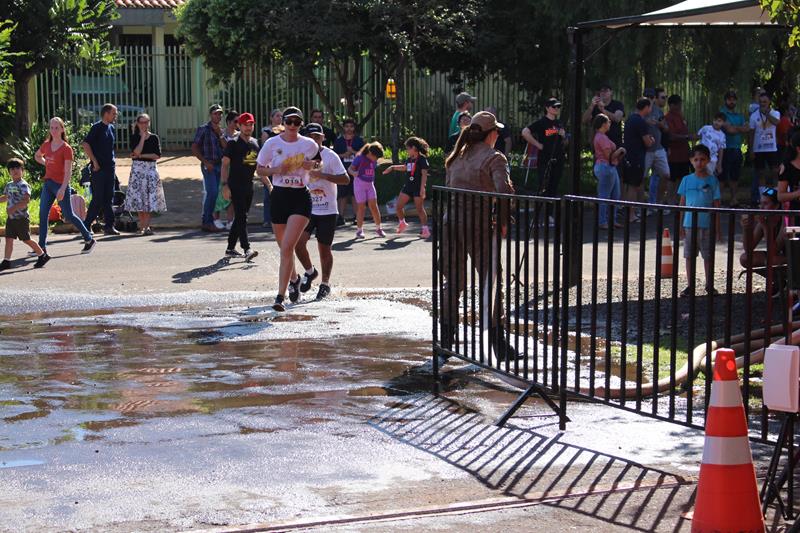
x=123 y=220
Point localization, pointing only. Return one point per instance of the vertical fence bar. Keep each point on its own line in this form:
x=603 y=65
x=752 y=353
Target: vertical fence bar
x=693 y=249
x=609 y=308
x=557 y=280
x=516 y=265
x=473 y=226
x=536 y=333
x=673 y=348
x=593 y=318
x=567 y=280
x=436 y=286
x=657 y=309
x=623 y=355
x=565 y=222
x=729 y=278
x=548 y=338
x=526 y=300
x=709 y=333
x=640 y=311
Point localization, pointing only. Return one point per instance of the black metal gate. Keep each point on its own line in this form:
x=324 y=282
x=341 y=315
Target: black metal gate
x=535 y=289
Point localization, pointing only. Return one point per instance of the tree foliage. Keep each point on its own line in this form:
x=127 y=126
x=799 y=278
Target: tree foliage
x=311 y=33
x=786 y=12
x=52 y=33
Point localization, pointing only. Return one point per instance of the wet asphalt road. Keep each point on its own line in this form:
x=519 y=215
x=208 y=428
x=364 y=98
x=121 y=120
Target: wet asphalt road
x=175 y=418
x=144 y=407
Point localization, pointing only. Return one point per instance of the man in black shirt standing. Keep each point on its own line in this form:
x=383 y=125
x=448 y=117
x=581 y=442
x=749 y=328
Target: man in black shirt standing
x=238 y=168
x=548 y=136
x=603 y=102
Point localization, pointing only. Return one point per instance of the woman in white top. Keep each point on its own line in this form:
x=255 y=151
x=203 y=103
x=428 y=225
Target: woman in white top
x=287 y=158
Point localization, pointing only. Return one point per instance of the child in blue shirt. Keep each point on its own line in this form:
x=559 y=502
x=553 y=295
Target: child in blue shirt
x=700 y=189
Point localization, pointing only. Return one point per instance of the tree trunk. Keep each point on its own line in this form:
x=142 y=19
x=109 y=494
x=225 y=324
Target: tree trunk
x=22 y=124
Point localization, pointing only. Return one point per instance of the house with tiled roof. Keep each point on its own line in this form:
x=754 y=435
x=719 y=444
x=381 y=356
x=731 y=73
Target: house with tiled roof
x=158 y=77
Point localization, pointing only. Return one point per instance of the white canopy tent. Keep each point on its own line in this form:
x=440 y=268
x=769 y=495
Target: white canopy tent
x=690 y=13
x=694 y=13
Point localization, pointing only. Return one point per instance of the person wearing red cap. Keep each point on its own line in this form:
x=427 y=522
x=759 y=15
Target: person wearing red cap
x=238 y=168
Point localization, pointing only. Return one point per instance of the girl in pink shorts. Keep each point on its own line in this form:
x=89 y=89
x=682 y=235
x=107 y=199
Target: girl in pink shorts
x=363 y=171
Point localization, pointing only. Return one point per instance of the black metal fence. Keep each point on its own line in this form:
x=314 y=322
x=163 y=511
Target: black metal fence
x=537 y=290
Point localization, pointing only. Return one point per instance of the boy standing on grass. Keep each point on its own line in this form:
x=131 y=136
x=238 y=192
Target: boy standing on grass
x=700 y=189
x=17 y=194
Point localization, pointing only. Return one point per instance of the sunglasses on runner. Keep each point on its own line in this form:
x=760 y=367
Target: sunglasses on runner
x=293 y=121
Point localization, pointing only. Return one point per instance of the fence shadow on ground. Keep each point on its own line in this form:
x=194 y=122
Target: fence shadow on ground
x=523 y=464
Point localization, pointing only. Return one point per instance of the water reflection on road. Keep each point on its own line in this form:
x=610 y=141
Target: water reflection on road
x=74 y=376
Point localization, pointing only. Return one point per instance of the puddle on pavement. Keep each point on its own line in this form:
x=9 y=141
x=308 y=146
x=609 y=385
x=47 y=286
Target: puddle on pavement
x=63 y=381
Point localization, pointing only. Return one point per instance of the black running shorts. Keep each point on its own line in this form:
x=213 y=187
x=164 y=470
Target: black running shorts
x=287 y=201
x=324 y=226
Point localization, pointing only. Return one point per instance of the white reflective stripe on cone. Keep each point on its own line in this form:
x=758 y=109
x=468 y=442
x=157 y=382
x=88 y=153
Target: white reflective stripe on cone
x=726 y=394
x=727 y=451
x=666 y=259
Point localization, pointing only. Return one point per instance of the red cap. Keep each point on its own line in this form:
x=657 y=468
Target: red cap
x=246 y=118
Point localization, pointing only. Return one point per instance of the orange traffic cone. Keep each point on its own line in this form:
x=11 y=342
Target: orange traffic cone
x=727 y=493
x=666 y=255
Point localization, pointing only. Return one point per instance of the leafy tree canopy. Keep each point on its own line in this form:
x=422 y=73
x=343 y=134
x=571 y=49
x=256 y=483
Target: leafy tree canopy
x=52 y=33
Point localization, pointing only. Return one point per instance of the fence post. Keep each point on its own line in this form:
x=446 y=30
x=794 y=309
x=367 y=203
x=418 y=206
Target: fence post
x=566 y=243
x=435 y=296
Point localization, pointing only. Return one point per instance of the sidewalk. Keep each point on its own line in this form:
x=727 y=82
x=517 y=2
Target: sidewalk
x=183 y=188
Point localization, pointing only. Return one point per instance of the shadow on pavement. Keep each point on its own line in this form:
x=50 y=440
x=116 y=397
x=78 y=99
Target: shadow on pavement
x=528 y=465
x=199 y=272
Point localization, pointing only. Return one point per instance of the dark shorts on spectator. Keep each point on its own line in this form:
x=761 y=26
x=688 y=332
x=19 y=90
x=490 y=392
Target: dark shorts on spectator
x=678 y=170
x=633 y=175
x=705 y=247
x=18 y=228
x=766 y=160
x=731 y=164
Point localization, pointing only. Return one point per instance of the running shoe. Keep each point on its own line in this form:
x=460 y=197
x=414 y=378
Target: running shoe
x=323 y=292
x=360 y=234
x=232 y=253
x=380 y=232
x=307 y=279
x=294 y=289
x=401 y=227
x=31 y=253
x=88 y=246
x=5 y=265
x=220 y=225
x=278 y=305
x=229 y=225
x=42 y=261
x=425 y=233
x=249 y=255
x=147 y=232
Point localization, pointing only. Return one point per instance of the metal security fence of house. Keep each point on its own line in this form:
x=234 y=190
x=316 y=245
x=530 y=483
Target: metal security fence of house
x=175 y=90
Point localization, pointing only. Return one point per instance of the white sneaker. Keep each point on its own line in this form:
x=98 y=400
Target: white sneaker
x=229 y=225
x=219 y=224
